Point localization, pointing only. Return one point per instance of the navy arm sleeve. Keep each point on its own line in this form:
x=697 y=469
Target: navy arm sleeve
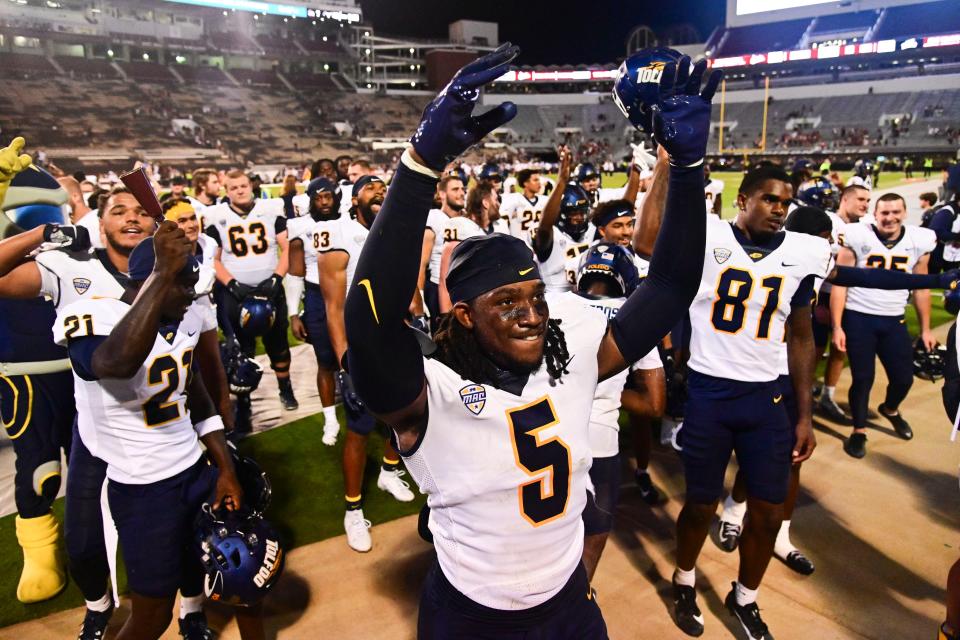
x=942 y=225
x=213 y=233
x=951 y=376
x=81 y=355
x=383 y=356
x=675 y=269
x=884 y=279
x=804 y=294
x=280 y=225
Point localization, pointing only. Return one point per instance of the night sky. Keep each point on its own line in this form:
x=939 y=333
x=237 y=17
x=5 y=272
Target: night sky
x=554 y=32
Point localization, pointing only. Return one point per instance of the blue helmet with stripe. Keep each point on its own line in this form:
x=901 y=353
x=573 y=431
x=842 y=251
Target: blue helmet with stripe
x=586 y=171
x=257 y=315
x=637 y=85
x=608 y=263
x=574 y=211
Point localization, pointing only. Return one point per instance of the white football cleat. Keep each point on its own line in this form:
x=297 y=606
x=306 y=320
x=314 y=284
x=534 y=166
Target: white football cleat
x=390 y=482
x=358 y=531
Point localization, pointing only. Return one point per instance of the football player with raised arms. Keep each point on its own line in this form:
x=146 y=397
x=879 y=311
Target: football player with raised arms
x=251 y=259
x=143 y=412
x=309 y=235
x=522 y=209
x=337 y=264
x=516 y=371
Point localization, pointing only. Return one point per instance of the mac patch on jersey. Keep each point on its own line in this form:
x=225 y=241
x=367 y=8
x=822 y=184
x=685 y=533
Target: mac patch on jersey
x=474 y=397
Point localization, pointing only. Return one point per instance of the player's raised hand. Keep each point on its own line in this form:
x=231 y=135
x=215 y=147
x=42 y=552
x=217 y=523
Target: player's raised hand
x=681 y=116
x=12 y=162
x=172 y=248
x=65 y=236
x=566 y=165
x=643 y=159
x=448 y=126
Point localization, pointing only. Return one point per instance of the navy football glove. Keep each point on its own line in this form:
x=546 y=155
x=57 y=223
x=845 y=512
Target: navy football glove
x=681 y=116
x=270 y=287
x=351 y=401
x=421 y=323
x=949 y=280
x=63 y=236
x=448 y=127
x=238 y=291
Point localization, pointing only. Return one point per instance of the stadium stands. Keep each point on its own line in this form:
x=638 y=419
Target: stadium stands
x=147 y=72
x=761 y=37
x=930 y=19
x=86 y=67
x=19 y=65
x=251 y=77
x=859 y=21
x=202 y=75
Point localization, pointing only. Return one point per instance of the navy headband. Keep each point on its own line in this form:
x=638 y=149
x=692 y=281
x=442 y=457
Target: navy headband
x=484 y=263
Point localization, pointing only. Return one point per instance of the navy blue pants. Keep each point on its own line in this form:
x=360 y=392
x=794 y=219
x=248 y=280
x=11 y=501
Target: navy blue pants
x=431 y=300
x=315 y=321
x=274 y=341
x=156 y=525
x=598 y=514
x=869 y=337
x=38 y=413
x=83 y=527
x=447 y=614
x=726 y=416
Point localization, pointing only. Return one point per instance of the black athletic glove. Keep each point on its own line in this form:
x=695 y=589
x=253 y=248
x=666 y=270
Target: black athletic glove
x=238 y=291
x=421 y=323
x=270 y=287
x=351 y=401
x=72 y=238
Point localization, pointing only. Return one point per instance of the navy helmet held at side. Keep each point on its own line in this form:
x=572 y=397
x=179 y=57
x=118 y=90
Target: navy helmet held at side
x=257 y=315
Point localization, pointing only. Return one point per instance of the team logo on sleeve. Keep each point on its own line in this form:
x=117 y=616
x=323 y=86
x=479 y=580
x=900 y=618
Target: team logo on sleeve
x=721 y=255
x=81 y=285
x=474 y=397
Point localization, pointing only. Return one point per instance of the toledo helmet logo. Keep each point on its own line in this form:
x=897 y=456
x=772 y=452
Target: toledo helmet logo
x=474 y=397
x=721 y=255
x=212 y=587
x=651 y=73
x=81 y=285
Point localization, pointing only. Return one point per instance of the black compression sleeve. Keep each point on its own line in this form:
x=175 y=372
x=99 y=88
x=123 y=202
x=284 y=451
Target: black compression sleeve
x=675 y=269
x=884 y=279
x=384 y=357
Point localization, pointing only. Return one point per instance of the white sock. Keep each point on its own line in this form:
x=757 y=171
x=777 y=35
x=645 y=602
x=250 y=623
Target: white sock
x=685 y=578
x=733 y=511
x=103 y=604
x=330 y=414
x=745 y=596
x=190 y=605
x=782 y=547
x=829 y=391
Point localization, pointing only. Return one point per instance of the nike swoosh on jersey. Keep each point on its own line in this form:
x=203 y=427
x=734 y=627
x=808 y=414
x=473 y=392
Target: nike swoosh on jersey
x=778 y=399
x=365 y=283
x=526 y=271
x=784 y=264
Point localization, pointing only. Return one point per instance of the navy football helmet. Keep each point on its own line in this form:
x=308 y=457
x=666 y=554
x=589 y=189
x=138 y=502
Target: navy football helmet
x=491 y=171
x=241 y=555
x=32 y=216
x=460 y=173
x=574 y=201
x=257 y=315
x=819 y=192
x=951 y=301
x=255 y=483
x=586 y=171
x=637 y=85
x=610 y=263
x=929 y=365
x=243 y=373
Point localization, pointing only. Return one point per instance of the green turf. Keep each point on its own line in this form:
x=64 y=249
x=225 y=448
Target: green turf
x=307 y=504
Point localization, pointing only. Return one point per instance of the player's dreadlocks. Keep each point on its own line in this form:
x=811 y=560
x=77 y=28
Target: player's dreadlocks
x=458 y=349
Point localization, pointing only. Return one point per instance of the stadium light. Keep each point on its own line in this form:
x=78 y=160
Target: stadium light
x=326 y=67
x=109 y=53
x=324 y=38
x=146 y=57
x=367 y=51
x=369 y=69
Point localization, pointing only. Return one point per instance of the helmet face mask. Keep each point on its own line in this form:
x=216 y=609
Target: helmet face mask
x=929 y=365
x=573 y=202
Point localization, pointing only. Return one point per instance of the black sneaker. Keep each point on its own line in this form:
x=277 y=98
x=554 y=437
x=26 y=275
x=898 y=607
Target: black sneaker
x=799 y=562
x=729 y=535
x=94 y=624
x=243 y=424
x=194 y=627
x=648 y=492
x=899 y=424
x=828 y=408
x=686 y=613
x=749 y=617
x=287 y=399
x=856 y=445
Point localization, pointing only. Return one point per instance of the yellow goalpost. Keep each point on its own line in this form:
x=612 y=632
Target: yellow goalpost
x=763 y=134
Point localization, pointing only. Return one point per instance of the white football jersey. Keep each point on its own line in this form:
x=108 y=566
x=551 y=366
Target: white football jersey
x=316 y=236
x=559 y=270
x=711 y=190
x=900 y=253
x=207 y=250
x=91 y=222
x=460 y=228
x=506 y=502
x=348 y=236
x=66 y=277
x=301 y=205
x=522 y=215
x=139 y=426
x=248 y=243
x=605 y=413
x=436 y=222
x=739 y=312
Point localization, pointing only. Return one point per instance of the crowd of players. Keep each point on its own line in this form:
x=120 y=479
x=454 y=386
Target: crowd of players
x=448 y=305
